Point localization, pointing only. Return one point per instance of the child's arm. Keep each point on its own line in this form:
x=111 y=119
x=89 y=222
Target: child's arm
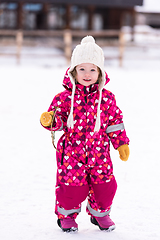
x=60 y=118
x=116 y=131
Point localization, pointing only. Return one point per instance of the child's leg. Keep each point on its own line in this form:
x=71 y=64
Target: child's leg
x=69 y=199
x=100 y=198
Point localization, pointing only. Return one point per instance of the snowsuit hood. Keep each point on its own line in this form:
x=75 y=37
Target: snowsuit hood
x=69 y=83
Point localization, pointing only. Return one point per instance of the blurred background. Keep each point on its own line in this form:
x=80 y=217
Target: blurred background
x=36 y=41
x=44 y=30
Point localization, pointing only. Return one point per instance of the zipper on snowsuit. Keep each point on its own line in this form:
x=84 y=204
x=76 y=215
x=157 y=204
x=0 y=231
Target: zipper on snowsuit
x=63 y=152
x=85 y=92
x=85 y=98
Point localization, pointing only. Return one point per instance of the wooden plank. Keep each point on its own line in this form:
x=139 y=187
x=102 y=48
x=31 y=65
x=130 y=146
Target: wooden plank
x=20 y=15
x=74 y=33
x=68 y=17
x=8 y=32
x=19 y=41
x=44 y=33
x=68 y=45
x=91 y=10
x=121 y=48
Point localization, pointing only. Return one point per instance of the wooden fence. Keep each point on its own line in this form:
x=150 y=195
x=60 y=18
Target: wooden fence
x=67 y=36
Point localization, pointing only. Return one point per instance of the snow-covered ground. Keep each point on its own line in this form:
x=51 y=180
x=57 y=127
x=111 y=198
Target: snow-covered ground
x=27 y=157
x=149 y=6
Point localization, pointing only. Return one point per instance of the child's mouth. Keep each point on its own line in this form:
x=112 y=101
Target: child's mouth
x=87 y=80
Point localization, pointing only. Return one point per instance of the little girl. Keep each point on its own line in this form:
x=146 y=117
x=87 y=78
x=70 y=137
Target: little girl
x=90 y=119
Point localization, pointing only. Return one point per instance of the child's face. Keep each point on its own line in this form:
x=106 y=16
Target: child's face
x=87 y=74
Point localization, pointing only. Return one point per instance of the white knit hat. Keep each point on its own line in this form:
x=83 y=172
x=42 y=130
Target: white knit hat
x=87 y=52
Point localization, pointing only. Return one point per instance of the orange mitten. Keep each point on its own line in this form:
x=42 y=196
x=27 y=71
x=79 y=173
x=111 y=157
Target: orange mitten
x=123 y=152
x=46 y=119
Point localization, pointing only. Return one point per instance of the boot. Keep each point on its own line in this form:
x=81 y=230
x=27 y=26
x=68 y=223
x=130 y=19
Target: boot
x=104 y=223
x=67 y=225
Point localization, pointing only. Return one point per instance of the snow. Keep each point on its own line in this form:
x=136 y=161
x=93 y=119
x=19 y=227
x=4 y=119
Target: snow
x=149 y=6
x=27 y=157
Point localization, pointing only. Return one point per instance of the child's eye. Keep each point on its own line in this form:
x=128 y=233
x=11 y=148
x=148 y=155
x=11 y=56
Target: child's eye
x=81 y=69
x=92 y=70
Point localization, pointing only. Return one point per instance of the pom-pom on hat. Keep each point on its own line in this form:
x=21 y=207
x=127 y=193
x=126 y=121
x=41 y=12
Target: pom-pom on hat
x=87 y=52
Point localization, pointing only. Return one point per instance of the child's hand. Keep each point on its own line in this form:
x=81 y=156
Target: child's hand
x=46 y=119
x=123 y=152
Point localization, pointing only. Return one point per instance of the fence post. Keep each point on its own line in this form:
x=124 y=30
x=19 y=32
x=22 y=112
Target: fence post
x=68 y=45
x=121 y=47
x=19 y=41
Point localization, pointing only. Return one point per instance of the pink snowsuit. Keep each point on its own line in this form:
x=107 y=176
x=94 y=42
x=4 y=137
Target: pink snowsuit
x=84 y=166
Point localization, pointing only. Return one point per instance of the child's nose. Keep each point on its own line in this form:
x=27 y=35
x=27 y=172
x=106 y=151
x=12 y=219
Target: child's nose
x=87 y=74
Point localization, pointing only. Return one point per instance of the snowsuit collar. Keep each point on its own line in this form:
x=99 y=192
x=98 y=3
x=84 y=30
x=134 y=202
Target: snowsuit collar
x=80 y=89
